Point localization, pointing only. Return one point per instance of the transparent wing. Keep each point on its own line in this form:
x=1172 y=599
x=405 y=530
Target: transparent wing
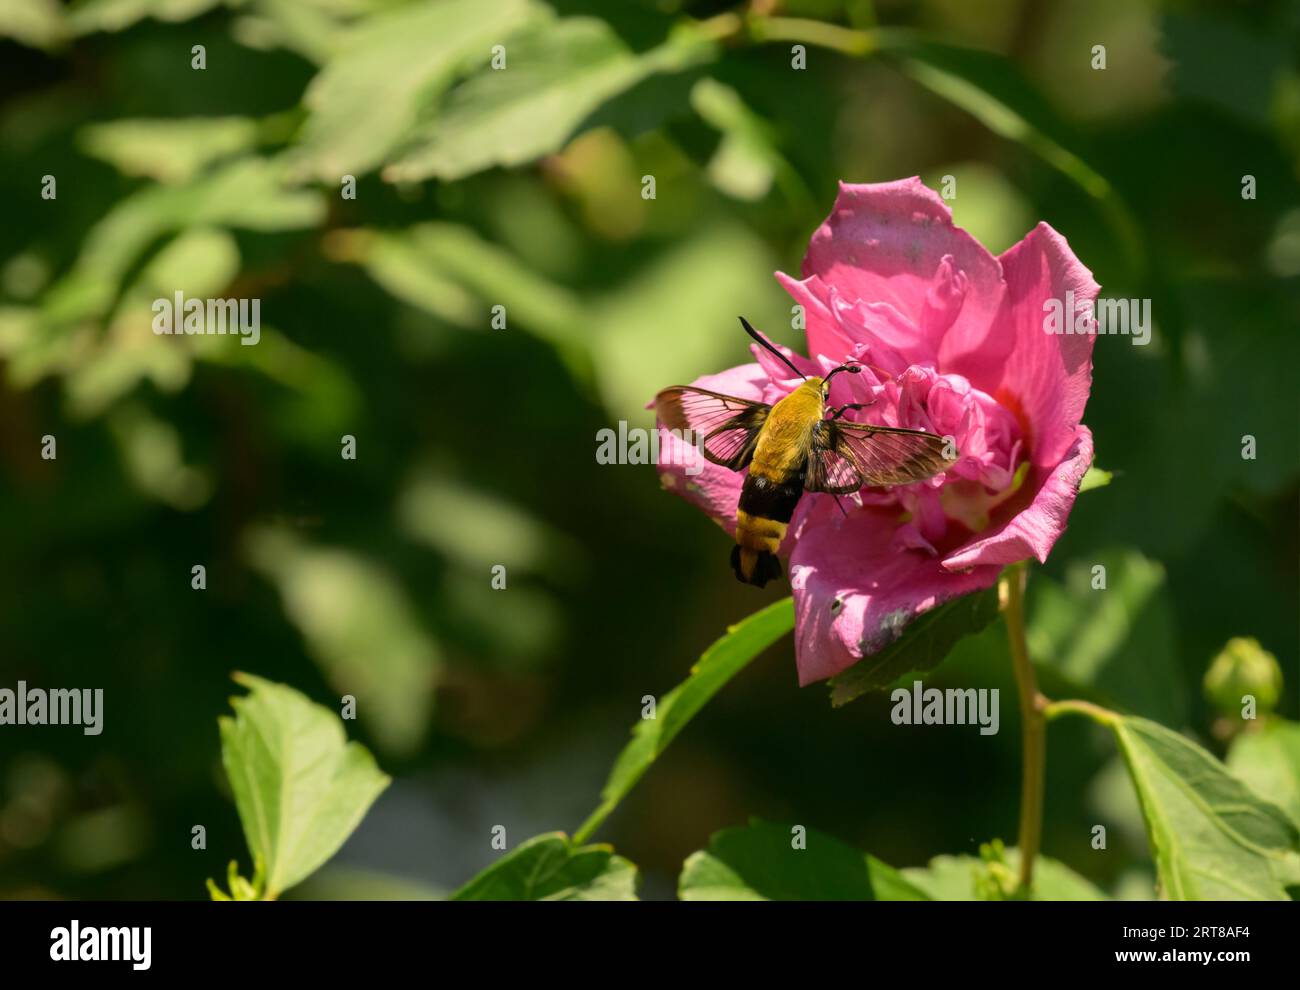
x=729 y=426
x=848 y=456
x=828 y=470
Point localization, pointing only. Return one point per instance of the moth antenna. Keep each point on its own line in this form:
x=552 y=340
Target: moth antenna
x=880 y=372
x=771 y=347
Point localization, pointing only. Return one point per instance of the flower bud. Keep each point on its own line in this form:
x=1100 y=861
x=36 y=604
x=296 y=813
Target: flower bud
x=1243 y=667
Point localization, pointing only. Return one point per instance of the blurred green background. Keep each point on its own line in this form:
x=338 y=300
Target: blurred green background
x=475 y=446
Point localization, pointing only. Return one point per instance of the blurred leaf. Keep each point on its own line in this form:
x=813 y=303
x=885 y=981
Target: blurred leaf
x=552 y=867
x=493 y=274
x=387 y=69
x=86 y=16
x=152 y=454
x=704 y=282
x=248 y=193
x=398 y=265
x=312 y=28
x=300 y=786
x=744 y=163
x=759 y=862
x=473 y=612
x=747 y=160
x=37 y=23
x=968 y=878
x=1116 y=643
x=103 y=839
x=722 y=661
x=362 y=630
x=1210 y=836
x=477 y=530
x=554 y=77
x=1095 y=477
x=924 y=643
x=320 y=397
x=594 y=171
x=169 y=151
x=1268 y=760
x=343 y=883
x=200 y=262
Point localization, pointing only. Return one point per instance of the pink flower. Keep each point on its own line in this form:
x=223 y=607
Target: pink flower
x=953 y=341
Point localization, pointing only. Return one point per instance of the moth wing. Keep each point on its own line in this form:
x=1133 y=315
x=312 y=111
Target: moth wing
x=849 y=456
x=829 y=470
x=728 y=426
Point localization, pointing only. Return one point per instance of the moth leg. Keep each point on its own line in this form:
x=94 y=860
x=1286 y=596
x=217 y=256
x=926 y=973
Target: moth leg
x=837 y=413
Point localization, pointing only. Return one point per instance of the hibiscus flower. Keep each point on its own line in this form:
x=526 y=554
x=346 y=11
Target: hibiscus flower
x=953 y=341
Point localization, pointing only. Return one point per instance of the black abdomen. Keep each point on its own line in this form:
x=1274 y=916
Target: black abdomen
x=768 y=499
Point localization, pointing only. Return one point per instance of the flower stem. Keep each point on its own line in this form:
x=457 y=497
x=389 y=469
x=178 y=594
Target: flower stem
x=1100 y=715
x=1033 y=724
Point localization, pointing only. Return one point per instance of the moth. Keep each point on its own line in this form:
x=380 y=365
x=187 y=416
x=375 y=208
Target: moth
x=797 y=445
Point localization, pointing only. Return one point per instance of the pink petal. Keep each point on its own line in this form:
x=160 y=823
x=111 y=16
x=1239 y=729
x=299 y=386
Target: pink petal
x=777 y=371
x=821 y=327
x=1045 y=377
x=879 y=586
x=1035 y=529
x=895 y=243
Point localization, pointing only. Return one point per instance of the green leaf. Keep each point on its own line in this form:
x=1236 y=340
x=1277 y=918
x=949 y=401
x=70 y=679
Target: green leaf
x=1114 y=644
x=554 y=78
x=925 y=642
x=760 y=862
x=167 y=150
x=370 y=94
x=694 y=282
x=1268 y=760
x=116 y=15
x=1095 y=477
x=300 y=786
x=247 y=193
x=360 y=626
x=720 y=663
x=552 y=867
x=459 y=264
x=747 y=160
x=1212 y=838
x=986 y=877
x=37 y=23
x=398 y=265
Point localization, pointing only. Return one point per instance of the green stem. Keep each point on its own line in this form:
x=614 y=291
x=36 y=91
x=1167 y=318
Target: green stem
x=1055 y=709
x=1033 y=724
x=848 y=41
